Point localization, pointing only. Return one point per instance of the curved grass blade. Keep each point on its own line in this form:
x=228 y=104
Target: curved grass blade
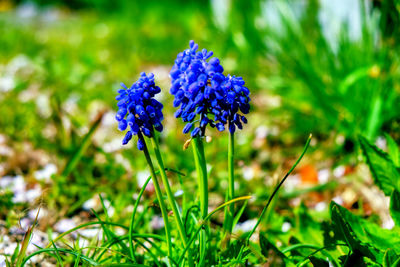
x=67 y=251
x=73 y=161
x=203 y=222
x=26 y=240
x=83 y=226
x=133 y=218
x=277 y=188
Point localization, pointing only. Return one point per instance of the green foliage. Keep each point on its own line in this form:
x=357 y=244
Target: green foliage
x=269 y=250
x=393 y=150
x=385 y=173
x=391 y=259
x=395 y=207
x=74 y=63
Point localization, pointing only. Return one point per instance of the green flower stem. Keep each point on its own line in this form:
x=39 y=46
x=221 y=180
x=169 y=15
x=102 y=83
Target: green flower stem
x=200 y=161
x=159 y=196
x=171 y=199
x=231 y=183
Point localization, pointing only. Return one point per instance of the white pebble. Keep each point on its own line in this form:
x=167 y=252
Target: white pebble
x=339 y=171
x=286 y=226
x=323 y=176
x=46 y=173
x=64 y=225
x=320 y=206
x=246 y=226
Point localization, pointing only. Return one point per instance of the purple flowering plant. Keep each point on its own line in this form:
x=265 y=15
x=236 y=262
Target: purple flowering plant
x=204 y=97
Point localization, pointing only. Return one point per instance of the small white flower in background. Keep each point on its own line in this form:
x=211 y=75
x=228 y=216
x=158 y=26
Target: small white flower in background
x=246 y=226
x=381 y=143
x=157 y=222
x=27 y=10
x=292 y=183
x=82 y=242
x=91 y=232
x=18 y=183
x=338 y=200
x=25 y=223
x=38 y=239
x=320 y=206
x=113 y=145
x=10 y=248
x=19 y=197
x=4 y=241
x=142 y=177
x=46 y=173
x=6 y=84
x=178 y=193
x=3 y=261
x=262 y=132
x=340 y=139
x=388 y=224
x=42 y=213
x=109 y=119
x=64 y=225
x=90 y=204
x=323 y=176
x=339 y=171
x=286 y=226
x=34 y=193
x=43 y=105
x=248 y=173
x=6 y=181
x=120 y=231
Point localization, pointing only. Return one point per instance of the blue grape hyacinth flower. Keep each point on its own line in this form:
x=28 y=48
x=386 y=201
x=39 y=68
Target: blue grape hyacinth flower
x=237 y=98
x=138 y=109
x=204 y=95
x=196 y=85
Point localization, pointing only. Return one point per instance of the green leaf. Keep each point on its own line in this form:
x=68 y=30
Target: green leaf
x=394 y=150
x=266 y=246
x=348 y=228
x=386 y=175
x=395 y=207
x=309 y=229
x=234 y=250
x=396 y=263
x=273 y=254
x=390 y=258
x=371 y=233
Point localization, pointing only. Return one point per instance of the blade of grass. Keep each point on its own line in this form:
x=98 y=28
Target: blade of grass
x=77 y=260
x=109 y=233
x=239 y=214
x=133 y=218
x=203 y=222
x=26 y=240
x=67 y=251
x=118 y=239
x=58 y=257
x=73 y=161
x=83 y=226
x=277 y=188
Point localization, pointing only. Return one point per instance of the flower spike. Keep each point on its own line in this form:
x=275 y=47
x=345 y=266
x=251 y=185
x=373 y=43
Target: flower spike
x=138 y=109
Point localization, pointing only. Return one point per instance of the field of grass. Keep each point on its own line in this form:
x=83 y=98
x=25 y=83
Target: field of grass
x=312 y=179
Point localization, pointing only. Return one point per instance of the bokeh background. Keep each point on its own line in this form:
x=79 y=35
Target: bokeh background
x=330 y=68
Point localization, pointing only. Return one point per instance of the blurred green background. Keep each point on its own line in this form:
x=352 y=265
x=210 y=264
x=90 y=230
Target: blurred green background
x=330 y=68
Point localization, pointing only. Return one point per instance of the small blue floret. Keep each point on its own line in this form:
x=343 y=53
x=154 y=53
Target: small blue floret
x=138 y=109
